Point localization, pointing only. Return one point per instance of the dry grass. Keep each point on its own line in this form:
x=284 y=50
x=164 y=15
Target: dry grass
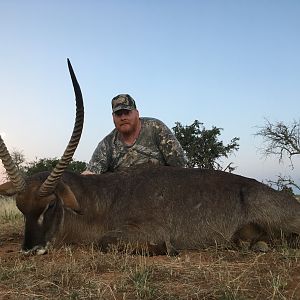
x=82 y=272
x=8 y=210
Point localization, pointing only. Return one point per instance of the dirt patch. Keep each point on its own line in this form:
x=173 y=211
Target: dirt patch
x=10 y=239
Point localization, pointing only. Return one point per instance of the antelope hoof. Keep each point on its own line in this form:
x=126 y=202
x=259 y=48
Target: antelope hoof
x=260 y=246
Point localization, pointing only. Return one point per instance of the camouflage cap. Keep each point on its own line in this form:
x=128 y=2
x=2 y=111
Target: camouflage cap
x=123 y=101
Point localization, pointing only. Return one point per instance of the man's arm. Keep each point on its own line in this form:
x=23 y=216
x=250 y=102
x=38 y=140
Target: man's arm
x=170 y=146
x=99 y=162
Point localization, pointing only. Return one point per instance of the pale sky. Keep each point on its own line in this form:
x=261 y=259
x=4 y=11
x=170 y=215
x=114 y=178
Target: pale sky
x=225 y=63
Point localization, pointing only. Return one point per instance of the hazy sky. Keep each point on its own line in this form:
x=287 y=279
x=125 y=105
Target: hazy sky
x=225 y=63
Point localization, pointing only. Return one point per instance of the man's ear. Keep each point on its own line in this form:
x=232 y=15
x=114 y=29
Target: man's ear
x=7 y=189
x=65 y=193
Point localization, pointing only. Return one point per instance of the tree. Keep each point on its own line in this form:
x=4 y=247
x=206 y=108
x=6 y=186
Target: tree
x=42 y=164
x=281 y=140
x=202 y=146
x=18 y=158
x=48 y=164
x=284 y=183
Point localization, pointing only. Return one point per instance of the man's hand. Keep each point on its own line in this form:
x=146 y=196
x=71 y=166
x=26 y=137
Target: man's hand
x=86 y=172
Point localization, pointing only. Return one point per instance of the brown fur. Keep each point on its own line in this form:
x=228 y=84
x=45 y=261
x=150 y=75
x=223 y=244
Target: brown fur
x=166 y=208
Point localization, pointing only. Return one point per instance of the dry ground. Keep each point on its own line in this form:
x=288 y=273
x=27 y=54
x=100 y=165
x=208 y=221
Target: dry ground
x=82 y=272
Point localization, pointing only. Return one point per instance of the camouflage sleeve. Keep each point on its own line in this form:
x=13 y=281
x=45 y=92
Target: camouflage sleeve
x=170 y=146
x=99 y=162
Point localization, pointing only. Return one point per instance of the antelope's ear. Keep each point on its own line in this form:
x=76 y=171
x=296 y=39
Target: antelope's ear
x=65 y=193
x=7 y=189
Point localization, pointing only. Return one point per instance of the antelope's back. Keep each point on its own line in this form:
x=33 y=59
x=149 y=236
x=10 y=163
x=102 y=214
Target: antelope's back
x=190 y=205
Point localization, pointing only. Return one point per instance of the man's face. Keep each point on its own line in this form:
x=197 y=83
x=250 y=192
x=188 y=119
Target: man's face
x=126 y=121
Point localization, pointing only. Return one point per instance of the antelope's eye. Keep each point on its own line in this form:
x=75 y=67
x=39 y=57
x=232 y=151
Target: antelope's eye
x=51 y=204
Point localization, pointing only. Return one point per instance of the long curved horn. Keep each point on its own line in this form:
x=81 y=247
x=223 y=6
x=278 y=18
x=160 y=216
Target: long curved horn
x=11 y=169
x=50 y=183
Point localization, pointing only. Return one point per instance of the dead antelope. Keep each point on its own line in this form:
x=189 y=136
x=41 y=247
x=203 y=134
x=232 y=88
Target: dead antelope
x=163 y=209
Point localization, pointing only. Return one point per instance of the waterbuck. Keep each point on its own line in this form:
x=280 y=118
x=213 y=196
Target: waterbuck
x=162 y=209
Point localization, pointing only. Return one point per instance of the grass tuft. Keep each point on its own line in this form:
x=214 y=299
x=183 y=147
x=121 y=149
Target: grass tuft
x=8 y=210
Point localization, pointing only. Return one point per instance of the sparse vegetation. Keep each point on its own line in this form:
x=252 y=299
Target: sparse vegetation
x=83 y=272
x=8 y=210
x=281 y=140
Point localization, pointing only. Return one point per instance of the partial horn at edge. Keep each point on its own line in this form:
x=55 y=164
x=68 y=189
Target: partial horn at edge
x=50 y=183
x=11 y=169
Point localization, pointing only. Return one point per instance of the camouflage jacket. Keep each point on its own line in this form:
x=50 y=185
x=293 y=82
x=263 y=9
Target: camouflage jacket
x=156 y=144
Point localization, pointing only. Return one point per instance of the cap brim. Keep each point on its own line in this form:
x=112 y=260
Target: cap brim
x=123 y=108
